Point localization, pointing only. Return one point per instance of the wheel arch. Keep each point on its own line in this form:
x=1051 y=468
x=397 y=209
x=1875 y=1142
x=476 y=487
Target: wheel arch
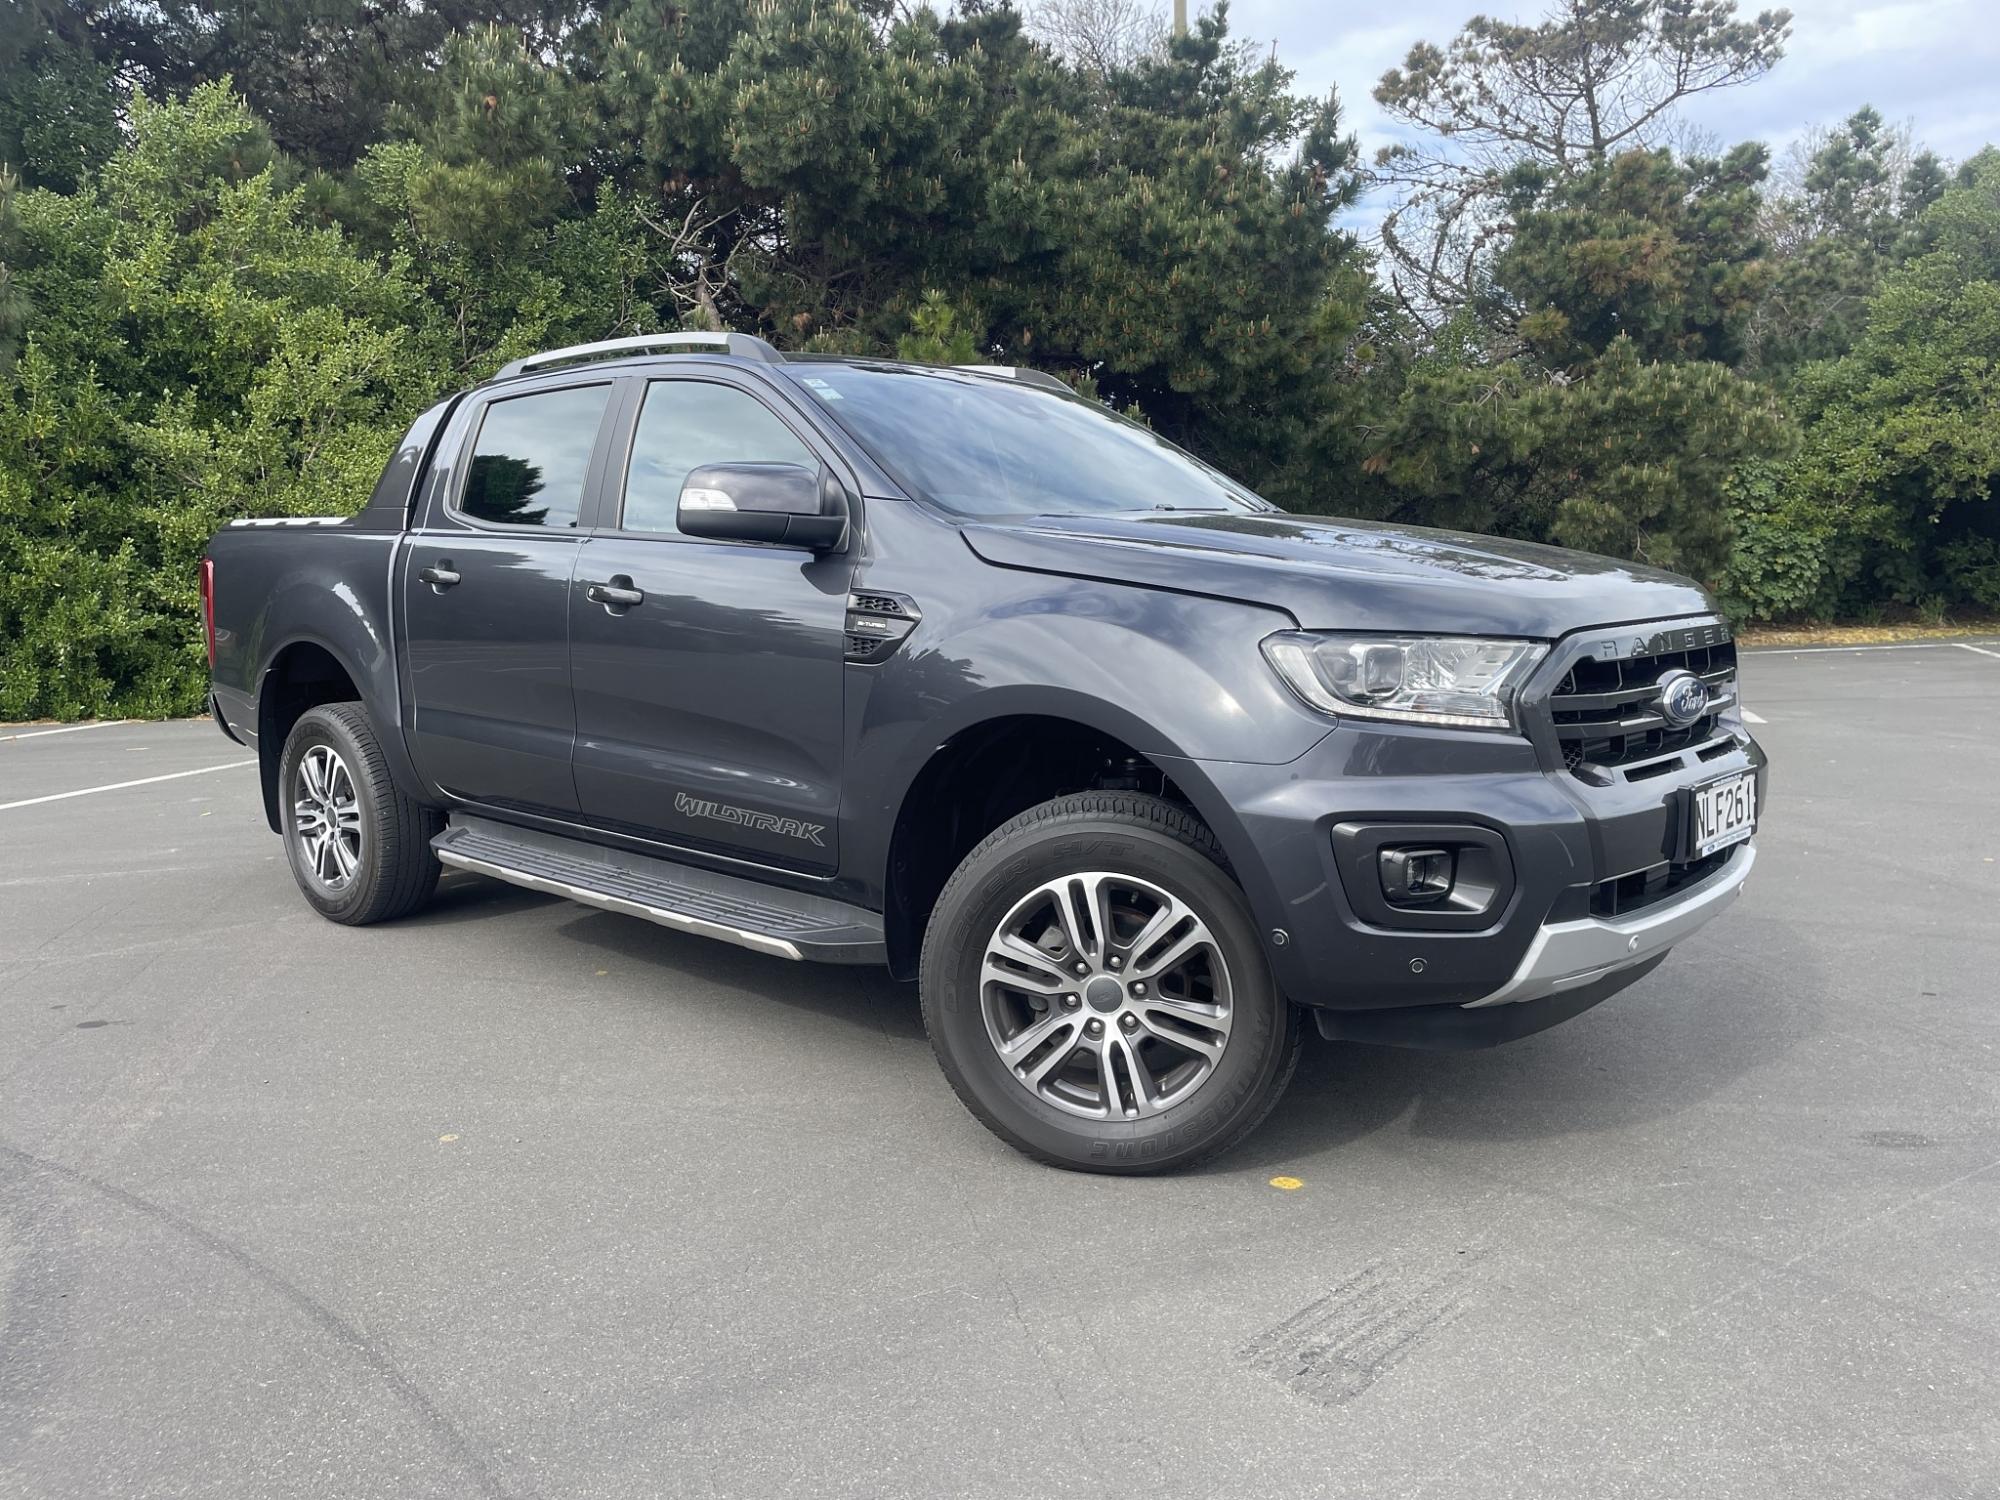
x=1024 y=749
x=305 y=673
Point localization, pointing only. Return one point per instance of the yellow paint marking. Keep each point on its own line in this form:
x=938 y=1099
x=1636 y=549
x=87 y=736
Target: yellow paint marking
x=1287 y=1184
x=602 y=972
x=447 y=1138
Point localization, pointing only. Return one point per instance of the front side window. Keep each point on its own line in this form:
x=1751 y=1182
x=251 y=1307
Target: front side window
x=688 y=423
x=531 y=455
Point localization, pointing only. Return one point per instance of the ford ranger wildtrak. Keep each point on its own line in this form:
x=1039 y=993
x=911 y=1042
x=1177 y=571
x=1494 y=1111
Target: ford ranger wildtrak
x=954 y=671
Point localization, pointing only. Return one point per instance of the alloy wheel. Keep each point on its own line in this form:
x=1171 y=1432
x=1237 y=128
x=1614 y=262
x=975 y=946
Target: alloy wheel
x=326 y=817
x=1106 y=996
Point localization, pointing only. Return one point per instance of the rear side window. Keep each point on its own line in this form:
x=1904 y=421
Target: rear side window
x=687 y=423
x=529 y=461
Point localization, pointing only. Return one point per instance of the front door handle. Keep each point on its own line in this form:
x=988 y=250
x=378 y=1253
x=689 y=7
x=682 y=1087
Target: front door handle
x=618 y=593
x=439 y=575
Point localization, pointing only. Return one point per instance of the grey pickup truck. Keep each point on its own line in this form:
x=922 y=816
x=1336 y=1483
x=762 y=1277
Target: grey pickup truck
x=952 y=671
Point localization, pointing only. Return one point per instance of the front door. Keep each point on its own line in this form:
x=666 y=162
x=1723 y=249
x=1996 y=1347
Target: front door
x=486 y=585
x=709 y=710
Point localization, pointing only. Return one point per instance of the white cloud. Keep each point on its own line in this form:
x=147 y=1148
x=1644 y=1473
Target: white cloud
x=1932 y=63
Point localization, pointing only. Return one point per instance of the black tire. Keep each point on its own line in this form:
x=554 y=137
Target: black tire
x=1120 y=834
x=395 y=871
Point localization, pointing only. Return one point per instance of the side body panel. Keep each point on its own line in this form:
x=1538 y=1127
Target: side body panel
x=284 y=582
x=1170 y=675
x=488 y=662
x=484 y=661
x=709 y=715
x=709 y=712
x=328 y=587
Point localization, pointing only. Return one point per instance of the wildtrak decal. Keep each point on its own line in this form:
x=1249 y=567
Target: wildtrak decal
x=743 y=817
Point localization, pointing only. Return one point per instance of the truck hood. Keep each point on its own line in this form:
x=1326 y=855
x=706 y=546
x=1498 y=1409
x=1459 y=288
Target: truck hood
x=1350 y=575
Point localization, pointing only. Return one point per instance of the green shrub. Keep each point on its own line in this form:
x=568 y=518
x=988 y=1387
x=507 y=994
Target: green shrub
x=1782 y=559
x=199 y=351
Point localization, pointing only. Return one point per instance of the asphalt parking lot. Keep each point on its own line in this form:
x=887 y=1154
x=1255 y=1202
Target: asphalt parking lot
x=518 y=1198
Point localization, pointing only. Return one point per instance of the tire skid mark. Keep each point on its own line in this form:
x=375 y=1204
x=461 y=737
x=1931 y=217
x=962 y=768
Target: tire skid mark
x=1334 y=1348
x=327 y=1321
x=194 y=939
x=1599 y=1371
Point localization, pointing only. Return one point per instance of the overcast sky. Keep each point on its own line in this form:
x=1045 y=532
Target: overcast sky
x=1932 y=63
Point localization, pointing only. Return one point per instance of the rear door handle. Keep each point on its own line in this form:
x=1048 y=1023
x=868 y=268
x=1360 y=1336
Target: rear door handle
x=617 y=594
x=439 y=576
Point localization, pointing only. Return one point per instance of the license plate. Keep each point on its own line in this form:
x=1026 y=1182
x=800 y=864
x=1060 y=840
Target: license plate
x=1724 y=813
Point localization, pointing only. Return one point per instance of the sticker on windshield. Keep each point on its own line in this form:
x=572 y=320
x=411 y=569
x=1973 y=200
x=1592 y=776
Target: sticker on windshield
x=821 y=389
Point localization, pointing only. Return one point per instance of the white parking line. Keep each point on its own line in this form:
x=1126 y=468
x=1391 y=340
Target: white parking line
x=1811 y=650
x=35 y=734
x=1983 y=651
x=119 y=786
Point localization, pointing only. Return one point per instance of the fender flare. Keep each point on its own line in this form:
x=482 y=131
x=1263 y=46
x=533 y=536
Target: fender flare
x=1023 y=700
x=388 y=725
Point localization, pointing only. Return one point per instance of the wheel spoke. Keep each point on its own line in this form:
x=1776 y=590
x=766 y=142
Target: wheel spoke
x=1166 y=916
x=1044 y=974
x=1195 y=1013
x=1107 y=1076
x=1176 y=953
x=1204 y=1044
x=1070 y=920
x=1058 y=1055
x=344 y=858
x=1145 y=1092
x=1036 y=1032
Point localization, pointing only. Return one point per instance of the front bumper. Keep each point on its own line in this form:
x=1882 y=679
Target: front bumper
x=1569 y=955
x=1552 y=949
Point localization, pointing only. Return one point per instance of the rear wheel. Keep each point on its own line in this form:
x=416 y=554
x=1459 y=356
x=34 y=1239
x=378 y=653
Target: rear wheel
x=1095 y=991
x=359 y=848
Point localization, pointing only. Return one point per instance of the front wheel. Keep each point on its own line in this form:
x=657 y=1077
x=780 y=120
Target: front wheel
x=359 y=848
x=1094 y=989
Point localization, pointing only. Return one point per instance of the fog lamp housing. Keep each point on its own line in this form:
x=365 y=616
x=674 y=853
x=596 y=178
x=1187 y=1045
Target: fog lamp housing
x=1437 y=877
x=1416 y=876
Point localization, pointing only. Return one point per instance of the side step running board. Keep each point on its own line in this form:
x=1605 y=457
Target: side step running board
x=789 y=924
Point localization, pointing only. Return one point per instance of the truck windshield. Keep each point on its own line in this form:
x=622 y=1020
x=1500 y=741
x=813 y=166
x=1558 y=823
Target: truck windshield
x=984 y=446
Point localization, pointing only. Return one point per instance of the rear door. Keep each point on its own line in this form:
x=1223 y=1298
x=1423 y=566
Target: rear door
x=708 y=712
x=486 y=583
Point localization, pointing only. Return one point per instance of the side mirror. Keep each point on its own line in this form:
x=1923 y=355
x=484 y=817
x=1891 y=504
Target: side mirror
x=788 y=504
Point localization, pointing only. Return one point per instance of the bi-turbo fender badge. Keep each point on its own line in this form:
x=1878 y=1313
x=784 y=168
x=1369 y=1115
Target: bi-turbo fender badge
x=743 y=817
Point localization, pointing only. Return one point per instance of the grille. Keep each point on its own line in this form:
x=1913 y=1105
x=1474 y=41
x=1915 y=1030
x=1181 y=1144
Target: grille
x=879 y=604
x=1642 y=888
x=877 y=623
x=1605 y=715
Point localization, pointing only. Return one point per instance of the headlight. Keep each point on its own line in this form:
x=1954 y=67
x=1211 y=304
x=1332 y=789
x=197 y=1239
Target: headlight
x=1421 y=679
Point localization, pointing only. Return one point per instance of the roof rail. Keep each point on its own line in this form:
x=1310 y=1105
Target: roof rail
x=742 y=345
x=1021 y=373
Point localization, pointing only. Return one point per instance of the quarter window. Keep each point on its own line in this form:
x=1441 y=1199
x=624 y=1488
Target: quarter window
x=529 y=461
x=688 y=423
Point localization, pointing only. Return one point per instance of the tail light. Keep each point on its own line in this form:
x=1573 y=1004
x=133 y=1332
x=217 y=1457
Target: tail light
x=208 y=606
